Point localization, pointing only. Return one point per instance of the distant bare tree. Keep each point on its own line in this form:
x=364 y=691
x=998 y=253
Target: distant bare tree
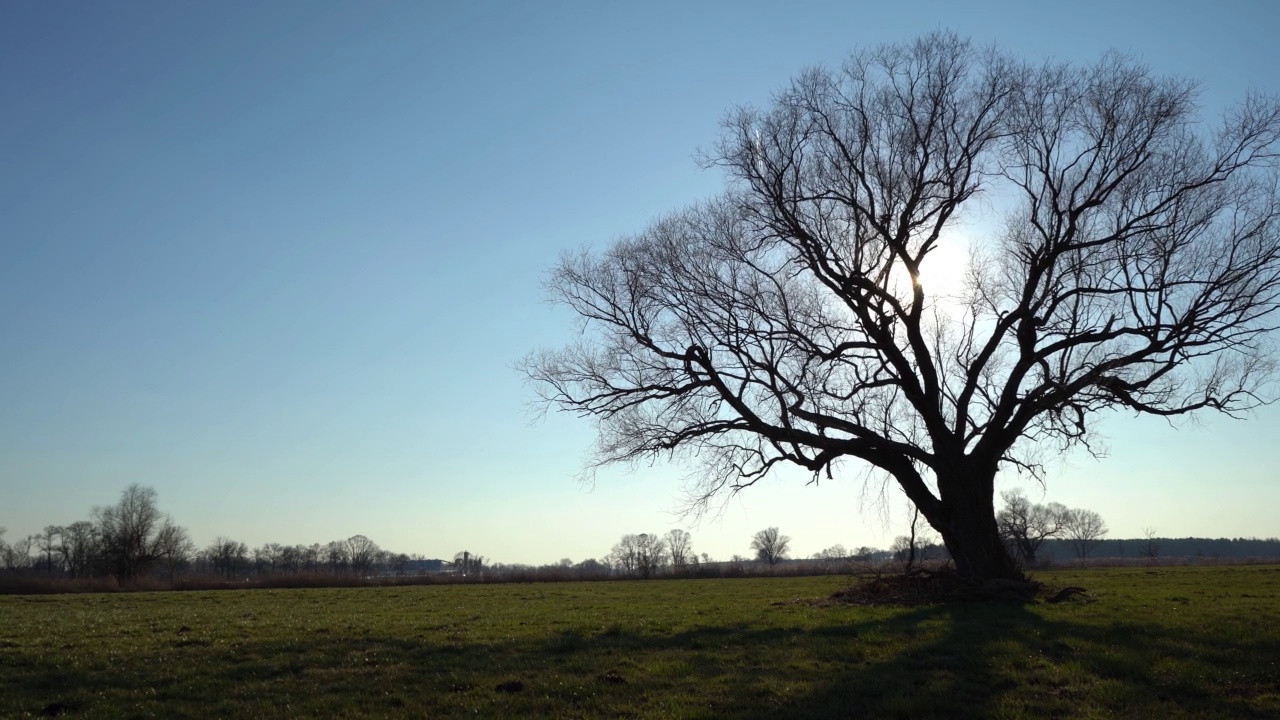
x=770 y=545
x=335 y=556
x=400 y=564
x=362 y=553
x=835 y=552
x=1150 y=548
x=47 y=543
x=1025 y=525
x=1084 y=529
x=653 y=554
x=914 y=547
x=80 y=548
x=625 y=555
x=591 y=569
x=642 y=554
x=128 y=529
x=173 y=547
x=228 y=557
x=17 y=555
x=680 y=549
x=1135 y=265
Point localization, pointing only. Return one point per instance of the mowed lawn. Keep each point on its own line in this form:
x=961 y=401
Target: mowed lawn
x=1155 y=642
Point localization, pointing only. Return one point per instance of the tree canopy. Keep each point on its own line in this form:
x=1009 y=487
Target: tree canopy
x=1126 y=255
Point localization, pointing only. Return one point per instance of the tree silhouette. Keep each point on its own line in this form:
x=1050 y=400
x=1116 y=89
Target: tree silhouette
x=770 y=545
x=1136 y=266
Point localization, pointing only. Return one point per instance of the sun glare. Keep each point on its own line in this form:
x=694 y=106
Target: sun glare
x=943 y=271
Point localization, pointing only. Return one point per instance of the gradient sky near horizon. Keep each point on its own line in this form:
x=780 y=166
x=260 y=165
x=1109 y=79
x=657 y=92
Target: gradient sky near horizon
x=277 y=260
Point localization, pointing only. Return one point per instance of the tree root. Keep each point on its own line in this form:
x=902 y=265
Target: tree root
x=1067 y=593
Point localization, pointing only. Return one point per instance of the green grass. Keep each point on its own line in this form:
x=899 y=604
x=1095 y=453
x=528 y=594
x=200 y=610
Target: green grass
x=1159 y=643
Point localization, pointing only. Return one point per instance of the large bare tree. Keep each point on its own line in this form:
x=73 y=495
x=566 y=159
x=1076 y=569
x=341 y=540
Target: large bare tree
x=1134 y=265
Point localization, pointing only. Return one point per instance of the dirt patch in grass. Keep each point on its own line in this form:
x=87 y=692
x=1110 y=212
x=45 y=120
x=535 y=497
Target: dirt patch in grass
x=931 y=587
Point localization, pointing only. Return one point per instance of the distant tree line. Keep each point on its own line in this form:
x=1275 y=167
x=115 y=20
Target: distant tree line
x=1155 y=547
x=133 y=539
x=127 y=540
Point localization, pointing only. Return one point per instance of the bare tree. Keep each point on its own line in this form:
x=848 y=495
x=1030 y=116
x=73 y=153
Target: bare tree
x=653 y=554
x=1137 y=267
x=1025 y=525
x=680 y=549
x=228 y=557
x=363 y=554
x=1084 y=530
x=770 y=545
x=625 y=555
x=835 y=552
x=914 y=547
x=47 y=543
x=127 y=531
x=1150 y=547
x=80 y=548
x=335 y=556
x=17 y=555
x=642 y=554
x=173 y=547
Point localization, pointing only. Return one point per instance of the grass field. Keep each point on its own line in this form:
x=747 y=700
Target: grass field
x=1155 y=642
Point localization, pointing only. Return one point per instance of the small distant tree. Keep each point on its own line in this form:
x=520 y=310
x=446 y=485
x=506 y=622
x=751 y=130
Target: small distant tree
x=835 y=552
x=865 y=553
x=228 y=557
x=362 y=553
x=47 y=542
x=173 y=547
x=1024 y=525
x=680 y=549
x=653 y=554
x=770 y=545
x=1084 y=530
x=624 y=556
x=642 y=554
x=18 y=554
x=591 y=568
x=400 y=564
x=1150 y=548
x=80 y=548
x=311 y=557
x=128 y=531
x=914 y=547
x=335 y=556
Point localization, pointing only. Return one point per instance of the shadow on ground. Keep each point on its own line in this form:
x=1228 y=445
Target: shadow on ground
x=979 y=661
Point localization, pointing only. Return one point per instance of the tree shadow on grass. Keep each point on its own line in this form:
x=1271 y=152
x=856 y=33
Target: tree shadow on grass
x=953 y=661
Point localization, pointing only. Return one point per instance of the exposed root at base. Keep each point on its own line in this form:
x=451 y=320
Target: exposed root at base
x=1067 y=593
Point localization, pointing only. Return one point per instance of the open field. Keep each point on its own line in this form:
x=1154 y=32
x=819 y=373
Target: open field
x=1158 y=642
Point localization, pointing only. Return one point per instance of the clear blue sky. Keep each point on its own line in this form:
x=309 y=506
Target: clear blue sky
x=277 y=260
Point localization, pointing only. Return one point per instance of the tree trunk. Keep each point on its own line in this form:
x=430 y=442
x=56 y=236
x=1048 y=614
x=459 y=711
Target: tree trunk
x=968 y=528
